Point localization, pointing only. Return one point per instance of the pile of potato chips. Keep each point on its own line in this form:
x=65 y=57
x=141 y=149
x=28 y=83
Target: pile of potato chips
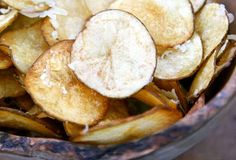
x=107 y=71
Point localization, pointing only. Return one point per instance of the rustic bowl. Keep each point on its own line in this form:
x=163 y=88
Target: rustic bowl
x=165 y=145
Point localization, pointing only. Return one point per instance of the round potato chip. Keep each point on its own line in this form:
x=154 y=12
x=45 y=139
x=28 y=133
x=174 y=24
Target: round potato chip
x=68 y=25
x=7 y=16
x=212 y=25
x=115 y=55
x=197 y=4
x=28 y=5
x=181 y=61
x=55 y=88
x=170 y=22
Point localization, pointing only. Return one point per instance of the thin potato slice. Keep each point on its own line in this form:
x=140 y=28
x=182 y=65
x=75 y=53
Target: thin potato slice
x=55 y=88
x=114 y=55
x=5 y=61
x=16 y=119
x=117 y=110
x=7 y=16
x=181 y=61
x=225 y=59
x=9 y=87
x=96 y=6
x=131 y=128
x=197 y=4
x=204 y=76
x=212 y=25
x=28 y=5
x=174 y=86
x=170 y=22
x=26 y=45
x=66 y=26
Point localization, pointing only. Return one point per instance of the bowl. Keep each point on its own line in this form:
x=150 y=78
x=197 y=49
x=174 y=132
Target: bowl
x=165 y=145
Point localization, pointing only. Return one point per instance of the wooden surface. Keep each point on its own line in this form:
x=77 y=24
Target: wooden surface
x=220 y=144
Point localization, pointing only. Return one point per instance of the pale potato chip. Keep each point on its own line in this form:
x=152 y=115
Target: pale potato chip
x=26 y=45
x=170 y=22
x=55 y=88
x=181 y=61
x=7 y=16
x=69 y=25
x=197 y=4
x=96 y=6
x=16 y=119
x=28 y=5
x=136 y=127
x=212 y=25
x=204 y=76
x=9 y=87
x=114 y=55
x=5 y=61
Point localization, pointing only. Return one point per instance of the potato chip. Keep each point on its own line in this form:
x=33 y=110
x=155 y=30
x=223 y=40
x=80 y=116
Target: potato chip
x=28 y=5
x=153 y=121
x=224 y=46
x=112 y=57
x=7 y=16
x=96 y=6
x=55 y=88
x=204 y=76
x=181 y=61
x=212 y=25
x=170 y=22
x=66 y=26
x=5 y=49
x=9 y=87
x=16 y=119
x=197 y=4
x=5 y=61
x=26 y=45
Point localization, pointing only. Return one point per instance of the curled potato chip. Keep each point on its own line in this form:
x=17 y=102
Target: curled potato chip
x=225 y=58
x=181 y=61
x=212 y=25
x=204 y=76
x=170 y=22
x=16 y=119
x=115 y=62
x=66 y=26
x=197 y=4
x=5 y=61
x=117 y=110
x=136 y=127
x=55 y=88
x=26 y=45
x=28 y=5
x=9 y=87
x=96 y=6
x=7 y=16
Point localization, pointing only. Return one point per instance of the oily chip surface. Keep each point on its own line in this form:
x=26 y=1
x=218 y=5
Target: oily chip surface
x=114 y=55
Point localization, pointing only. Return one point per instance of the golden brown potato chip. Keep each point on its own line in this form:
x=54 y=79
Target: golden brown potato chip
x=68 y=25
x=181 y=61
x=55 y=88
x=204 y=76
x=119 y=131
x=197 y=4
x=212 y=25
x=5 y=61
x=26 y=45
x=96 y=6
x=7 y=16
x=16 y=119
x=28 y=5
x=5 y=49
x=115 y=62
x=9 y=87
x=117 y=110
x=169 y=22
